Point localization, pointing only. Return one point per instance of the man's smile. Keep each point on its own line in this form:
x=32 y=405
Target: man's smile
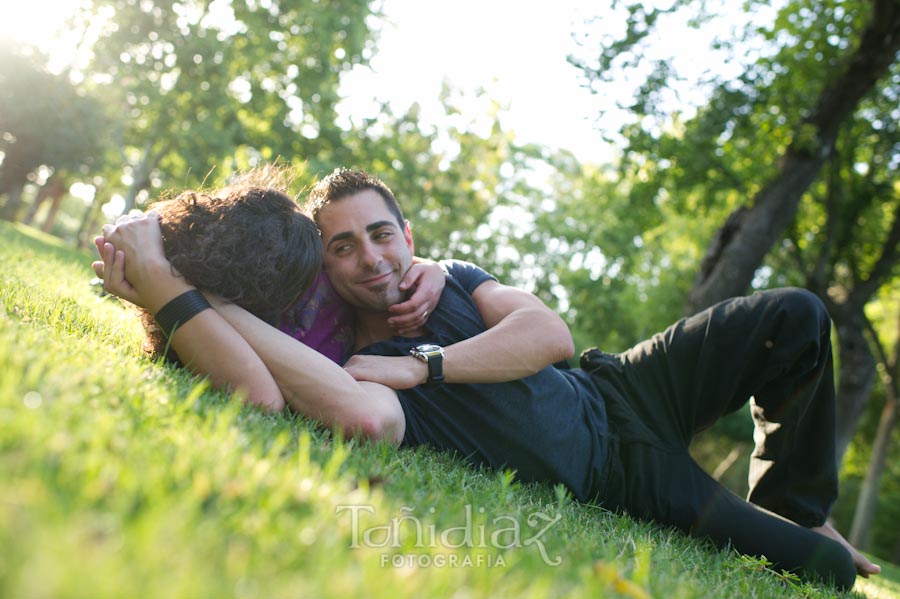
x=376 y=280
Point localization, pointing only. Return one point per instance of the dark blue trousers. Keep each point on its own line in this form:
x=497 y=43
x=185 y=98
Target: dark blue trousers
x=772 y=349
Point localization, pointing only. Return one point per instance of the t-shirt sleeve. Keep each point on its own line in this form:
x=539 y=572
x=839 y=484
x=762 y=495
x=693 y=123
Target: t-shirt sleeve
x=469 y=275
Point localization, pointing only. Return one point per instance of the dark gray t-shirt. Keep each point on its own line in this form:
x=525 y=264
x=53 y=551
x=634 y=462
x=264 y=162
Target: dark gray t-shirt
x=550 y=426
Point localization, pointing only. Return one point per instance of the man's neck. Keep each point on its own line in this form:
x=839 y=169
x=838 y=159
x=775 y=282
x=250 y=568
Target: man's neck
x=371 y=327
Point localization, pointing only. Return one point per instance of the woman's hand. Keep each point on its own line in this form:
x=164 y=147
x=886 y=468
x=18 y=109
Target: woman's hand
x=111 y=268
x=427 y=278
x=134 y=264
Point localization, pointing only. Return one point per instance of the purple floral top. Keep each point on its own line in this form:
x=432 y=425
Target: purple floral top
x=321 y=320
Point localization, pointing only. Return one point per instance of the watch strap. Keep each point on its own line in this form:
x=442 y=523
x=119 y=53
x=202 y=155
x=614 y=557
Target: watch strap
x=435 y=363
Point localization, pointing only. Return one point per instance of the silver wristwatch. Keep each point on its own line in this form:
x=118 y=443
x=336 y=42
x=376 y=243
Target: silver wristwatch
x=433 y=355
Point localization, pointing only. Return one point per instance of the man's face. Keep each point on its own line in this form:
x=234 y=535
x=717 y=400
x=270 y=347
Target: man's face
x=367 y=252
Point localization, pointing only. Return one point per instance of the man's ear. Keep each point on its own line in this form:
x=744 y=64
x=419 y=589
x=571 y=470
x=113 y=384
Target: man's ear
x=407 y=235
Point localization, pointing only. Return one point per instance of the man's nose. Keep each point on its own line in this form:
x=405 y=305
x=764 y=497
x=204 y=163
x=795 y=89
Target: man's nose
x=370 y=256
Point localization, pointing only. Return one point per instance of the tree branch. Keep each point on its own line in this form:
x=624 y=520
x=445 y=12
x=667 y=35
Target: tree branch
x=748 y=234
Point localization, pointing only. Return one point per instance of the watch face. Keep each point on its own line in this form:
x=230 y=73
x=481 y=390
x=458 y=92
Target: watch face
x=428 y=347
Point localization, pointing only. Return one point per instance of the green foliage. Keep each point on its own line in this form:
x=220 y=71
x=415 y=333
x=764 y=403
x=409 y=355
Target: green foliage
x=617 y=255
x=719 y=158
x=194 y=82
x=44 y=121
x=122 y=476
x=883 y=313
x=448 y=182
x=689 y=170
x=883 y=540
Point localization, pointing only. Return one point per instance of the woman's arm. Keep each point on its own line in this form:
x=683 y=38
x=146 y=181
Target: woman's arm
x=236 y=349
x=205 y=344
x=317 y=387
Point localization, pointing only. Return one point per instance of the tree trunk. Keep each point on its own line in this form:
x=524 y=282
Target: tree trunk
x=867 y=502
x=91 y=221
x=53 y=189
x=856 y=374
x=51 y=214
x=868 y=495
x=738 y=248
x=140 y=176
x=13 y=204
x=13 y=177
x=17 y=163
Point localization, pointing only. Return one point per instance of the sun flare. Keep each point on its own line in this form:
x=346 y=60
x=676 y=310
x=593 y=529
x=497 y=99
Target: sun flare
x=35 y=23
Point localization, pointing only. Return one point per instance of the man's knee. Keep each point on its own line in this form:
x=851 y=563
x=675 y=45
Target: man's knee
x=800 y=307
x=804 y=302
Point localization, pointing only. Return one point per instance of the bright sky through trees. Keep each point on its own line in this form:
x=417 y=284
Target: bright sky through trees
x=31 y=21
x=516 y=51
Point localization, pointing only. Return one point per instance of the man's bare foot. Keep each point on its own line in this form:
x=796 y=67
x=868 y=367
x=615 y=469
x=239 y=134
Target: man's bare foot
x=863 y=566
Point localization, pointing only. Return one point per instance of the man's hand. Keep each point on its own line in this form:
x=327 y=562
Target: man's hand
x=427 y=279
x=396 y=372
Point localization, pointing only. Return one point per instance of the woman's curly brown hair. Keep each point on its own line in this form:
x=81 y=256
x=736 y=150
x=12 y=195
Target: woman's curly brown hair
x=249 y=243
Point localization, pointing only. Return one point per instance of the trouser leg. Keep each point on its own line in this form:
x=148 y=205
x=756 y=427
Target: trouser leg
x=774 y=346
x=669 y=487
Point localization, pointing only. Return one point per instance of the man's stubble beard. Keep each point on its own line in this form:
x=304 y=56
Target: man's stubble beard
x=380 y=300
x=383 y=300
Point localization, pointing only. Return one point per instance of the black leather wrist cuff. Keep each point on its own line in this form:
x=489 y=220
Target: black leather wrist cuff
x=180 y=310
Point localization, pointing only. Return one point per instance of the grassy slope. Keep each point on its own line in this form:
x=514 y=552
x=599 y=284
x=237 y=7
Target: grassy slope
x=122 y=477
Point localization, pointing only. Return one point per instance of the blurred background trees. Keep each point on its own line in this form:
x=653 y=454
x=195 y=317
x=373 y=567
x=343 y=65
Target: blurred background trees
x=791 y=167
x=783 y=173
x=47 y=125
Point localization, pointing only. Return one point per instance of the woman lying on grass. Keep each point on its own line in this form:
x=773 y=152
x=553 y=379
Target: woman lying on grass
x=251 y=245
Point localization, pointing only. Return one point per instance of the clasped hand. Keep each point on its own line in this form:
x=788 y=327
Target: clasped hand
x=139 y=238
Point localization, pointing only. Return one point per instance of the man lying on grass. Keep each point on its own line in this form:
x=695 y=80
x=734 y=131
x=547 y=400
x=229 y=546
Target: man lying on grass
x=482 y=377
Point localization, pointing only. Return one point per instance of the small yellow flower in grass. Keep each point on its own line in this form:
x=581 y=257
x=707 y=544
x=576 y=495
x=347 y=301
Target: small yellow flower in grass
x=233 y=488
x=610 y=577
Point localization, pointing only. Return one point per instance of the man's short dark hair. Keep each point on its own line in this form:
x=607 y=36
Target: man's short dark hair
x=343 y=183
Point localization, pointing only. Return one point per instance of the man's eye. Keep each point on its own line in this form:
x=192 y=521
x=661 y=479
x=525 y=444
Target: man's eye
x=342 y=249
x=383 y=235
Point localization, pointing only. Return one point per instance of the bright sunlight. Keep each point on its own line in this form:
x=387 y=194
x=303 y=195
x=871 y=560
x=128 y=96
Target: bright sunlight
x=35 y=22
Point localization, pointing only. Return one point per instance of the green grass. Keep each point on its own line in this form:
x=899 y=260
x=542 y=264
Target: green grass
x=122 y=477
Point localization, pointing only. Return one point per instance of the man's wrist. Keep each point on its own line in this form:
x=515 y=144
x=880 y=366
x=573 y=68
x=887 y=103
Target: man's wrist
x=433 y=357
x=420 y=369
